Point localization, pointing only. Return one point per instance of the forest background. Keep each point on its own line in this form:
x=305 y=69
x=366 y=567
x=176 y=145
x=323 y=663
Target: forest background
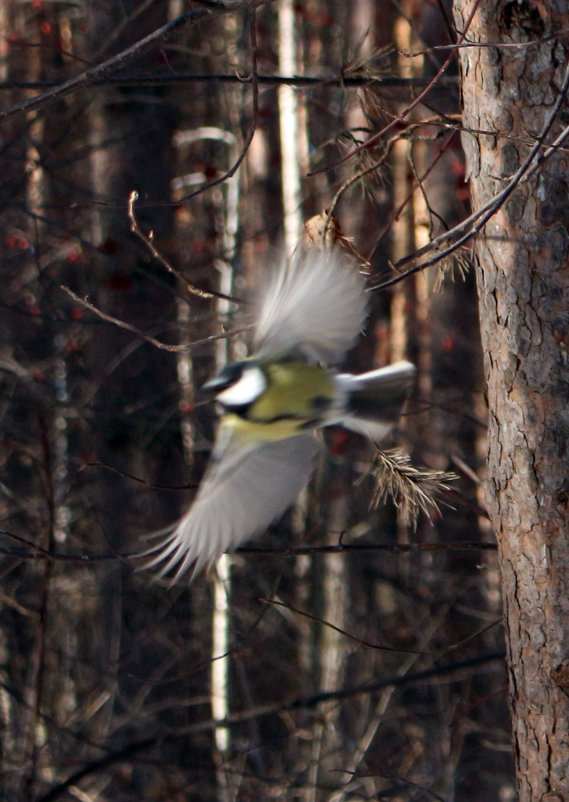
x=155 y=157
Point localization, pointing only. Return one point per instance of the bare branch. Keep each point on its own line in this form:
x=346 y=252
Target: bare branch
x=298 y=81
x=458 y=668
x=258 y=551
x=152 y=340
x=464 y=230
x=117 y=62
x=253 y=127
x=361 y=641
x=148 y=241
x=402 y=117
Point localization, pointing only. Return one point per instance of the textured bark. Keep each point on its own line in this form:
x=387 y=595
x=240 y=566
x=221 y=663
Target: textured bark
x=523 y=285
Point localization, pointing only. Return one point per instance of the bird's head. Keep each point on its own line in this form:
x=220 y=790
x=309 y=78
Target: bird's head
x=238 y=385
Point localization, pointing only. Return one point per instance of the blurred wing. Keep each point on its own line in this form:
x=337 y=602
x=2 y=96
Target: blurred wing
x=242 y=493
x=314 y=306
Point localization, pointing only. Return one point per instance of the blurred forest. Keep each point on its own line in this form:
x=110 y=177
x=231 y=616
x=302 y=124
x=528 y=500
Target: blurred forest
x=345 y=655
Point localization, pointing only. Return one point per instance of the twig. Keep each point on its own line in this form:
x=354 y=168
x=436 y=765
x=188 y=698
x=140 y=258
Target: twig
x=138 y=479
x=496 y=45
x=299 y=703
x=352 y=180
x=363 y=548
x=343 y=632
x=395 y=214
x=531 y=164
x=253 y=127
x=298 y=81
x=117 y=62
x=37 y=553
x=148 y=241
x=152 y=340
x=402 y=117
x=39 y=651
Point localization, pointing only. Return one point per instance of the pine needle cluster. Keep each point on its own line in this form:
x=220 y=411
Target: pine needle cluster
x=412 y=490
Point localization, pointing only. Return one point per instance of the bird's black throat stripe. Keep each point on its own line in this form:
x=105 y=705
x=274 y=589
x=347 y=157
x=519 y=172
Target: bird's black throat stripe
x=243 y=411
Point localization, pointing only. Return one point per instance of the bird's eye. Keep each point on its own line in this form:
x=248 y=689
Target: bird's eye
x=245 y=390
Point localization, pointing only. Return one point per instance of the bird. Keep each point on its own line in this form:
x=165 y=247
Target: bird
x=272 y=404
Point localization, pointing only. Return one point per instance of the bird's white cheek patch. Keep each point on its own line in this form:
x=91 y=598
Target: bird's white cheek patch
x=245 y=390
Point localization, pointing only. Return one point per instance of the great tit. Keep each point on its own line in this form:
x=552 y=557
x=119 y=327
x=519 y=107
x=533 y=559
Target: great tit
x=272 y=403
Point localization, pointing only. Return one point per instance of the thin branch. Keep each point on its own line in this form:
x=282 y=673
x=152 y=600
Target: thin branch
x=96 y=766
x=39 y=651
x=138 y=479
x=353 y=179
x=114 y=63
x=402 y=117
x=465 y=641
x=398 y=783
x=531 y=164
x=360 y=641
x=447 y=122
x=396 y=212
x=152 y=340
x=298 y=81
x=299 y=703
x=396 y=681
x=253 y=127
x=37 y=553
x=496 y=45
x=363 y=548
x=148 y=241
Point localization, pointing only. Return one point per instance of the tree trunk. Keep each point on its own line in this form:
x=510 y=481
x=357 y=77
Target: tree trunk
x=523 y=286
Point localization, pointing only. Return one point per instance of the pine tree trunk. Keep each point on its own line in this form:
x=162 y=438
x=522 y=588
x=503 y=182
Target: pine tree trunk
x=523 y=286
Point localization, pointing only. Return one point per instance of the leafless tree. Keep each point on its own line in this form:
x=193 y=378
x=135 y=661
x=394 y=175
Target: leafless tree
x=143 y=193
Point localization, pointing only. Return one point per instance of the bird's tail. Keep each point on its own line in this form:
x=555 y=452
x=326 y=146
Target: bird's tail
x=373 y=401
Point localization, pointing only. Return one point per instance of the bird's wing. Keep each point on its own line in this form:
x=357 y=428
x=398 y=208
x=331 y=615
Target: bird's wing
x=314 y=307
x=241 y=494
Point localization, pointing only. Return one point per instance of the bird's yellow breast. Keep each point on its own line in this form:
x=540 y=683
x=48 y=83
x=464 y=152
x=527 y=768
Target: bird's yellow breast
x=296 y=396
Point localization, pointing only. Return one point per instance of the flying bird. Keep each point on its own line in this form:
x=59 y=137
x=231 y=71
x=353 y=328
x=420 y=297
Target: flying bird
x=272 y=403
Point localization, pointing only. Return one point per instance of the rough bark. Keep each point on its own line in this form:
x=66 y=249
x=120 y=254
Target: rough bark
x=523 y=285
